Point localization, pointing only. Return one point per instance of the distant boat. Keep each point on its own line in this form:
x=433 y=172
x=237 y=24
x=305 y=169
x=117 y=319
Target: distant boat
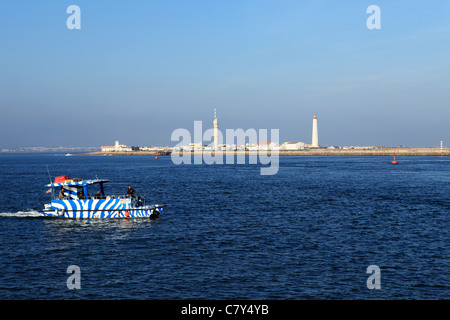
x=68 y=154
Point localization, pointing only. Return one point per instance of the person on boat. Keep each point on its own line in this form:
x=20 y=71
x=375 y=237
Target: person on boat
x=98 y=195
x=61 y=194
x=80 y=195
x=130 y=192
x=139 y=202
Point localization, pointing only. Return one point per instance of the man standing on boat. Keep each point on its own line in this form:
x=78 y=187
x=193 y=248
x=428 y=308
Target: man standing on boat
x=61 y=194
x=130 y=192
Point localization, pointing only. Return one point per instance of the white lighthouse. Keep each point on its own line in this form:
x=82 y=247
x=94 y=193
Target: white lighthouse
x=315 y=134
x=216 y=131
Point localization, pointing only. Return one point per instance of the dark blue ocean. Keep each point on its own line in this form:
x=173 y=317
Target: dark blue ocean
x=308 y=232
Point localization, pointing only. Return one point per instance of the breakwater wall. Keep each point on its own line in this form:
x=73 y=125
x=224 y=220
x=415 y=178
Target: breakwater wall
x=307 y=152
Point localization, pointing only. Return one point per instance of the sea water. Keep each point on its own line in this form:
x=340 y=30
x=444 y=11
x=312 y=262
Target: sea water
x=309 y=232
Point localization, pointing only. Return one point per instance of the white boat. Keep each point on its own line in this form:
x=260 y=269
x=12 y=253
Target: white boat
x=74 y=200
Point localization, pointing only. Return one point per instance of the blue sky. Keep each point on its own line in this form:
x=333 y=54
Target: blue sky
x=137 y=70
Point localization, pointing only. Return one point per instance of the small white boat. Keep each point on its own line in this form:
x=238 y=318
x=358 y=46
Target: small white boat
x=68 y=154
x=75 y=201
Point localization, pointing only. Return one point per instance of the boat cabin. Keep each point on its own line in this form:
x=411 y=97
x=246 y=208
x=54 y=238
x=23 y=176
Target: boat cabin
x=77 y=189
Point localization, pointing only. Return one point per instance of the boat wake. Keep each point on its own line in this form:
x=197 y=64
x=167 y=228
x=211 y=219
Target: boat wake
x=22 y=214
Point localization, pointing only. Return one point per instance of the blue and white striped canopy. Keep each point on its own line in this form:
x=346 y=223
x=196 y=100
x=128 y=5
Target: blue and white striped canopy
x=76 y=183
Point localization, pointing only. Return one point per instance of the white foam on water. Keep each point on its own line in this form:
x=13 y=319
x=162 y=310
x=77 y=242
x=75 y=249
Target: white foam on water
x=22 y=214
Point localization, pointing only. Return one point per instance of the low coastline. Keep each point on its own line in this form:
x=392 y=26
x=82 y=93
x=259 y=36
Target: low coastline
x=305 y=152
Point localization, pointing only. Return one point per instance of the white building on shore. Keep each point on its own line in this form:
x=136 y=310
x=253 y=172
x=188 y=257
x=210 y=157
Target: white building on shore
x=290 y=146
x=117 y=147
x=262 y=146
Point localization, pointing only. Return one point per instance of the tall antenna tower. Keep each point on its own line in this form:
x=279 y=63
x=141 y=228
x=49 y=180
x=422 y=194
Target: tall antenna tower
x=216 y=131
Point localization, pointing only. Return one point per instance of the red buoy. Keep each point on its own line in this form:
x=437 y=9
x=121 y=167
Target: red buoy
x=394 y=161
x=156 y=155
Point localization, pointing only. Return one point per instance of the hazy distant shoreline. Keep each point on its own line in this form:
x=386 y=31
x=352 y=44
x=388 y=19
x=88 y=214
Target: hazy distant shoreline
x=307 y=152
